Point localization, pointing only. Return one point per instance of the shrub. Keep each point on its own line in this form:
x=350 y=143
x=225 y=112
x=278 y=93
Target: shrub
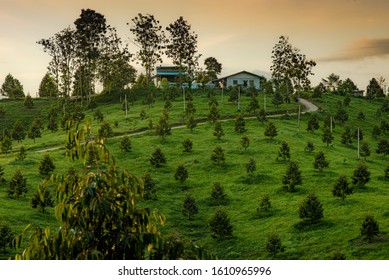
x=311 y=209
x=157 y=158
x=217 y=192
x=125 y=144
x=240 y=125
x=245 y=142
x=47 y=165
x=370 y=227
x=190 y=207
x=218 y=131
x=181 y=173
x=6 y=237
x=220 y=225
x=217 y=156
x=17 y=185
x=284 y=151
x=149 y=186
x=320 y=161
x=187 y=144
x=273 y=244
x=361 y=175
x=271 y=130
x=309 y=147
x=105 y=130
x=42 y=198
x=292 y=177
x=342 y=187
x=264 y=204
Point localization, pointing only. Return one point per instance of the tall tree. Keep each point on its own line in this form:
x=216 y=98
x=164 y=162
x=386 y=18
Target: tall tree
x=289 y=63
x=213 y=68
x=374 y=89
x=114 y=69
x=12 y=87
x=182 y=46
x=332 y=82
x=90 y=31
x=150 y=39
x=47 y=87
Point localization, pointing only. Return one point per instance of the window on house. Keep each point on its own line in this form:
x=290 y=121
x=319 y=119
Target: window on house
x=251 y=83
x=245 y=83
x=235 y=82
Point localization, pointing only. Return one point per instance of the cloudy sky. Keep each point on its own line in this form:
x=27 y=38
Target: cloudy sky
x=346 y=37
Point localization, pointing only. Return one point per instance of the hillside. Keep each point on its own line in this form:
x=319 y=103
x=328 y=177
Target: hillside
x=337 y=233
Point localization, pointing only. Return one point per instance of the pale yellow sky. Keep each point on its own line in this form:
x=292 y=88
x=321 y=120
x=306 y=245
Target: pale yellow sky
x=347 y=37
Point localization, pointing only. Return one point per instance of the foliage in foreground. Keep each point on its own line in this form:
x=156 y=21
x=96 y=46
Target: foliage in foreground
x=99 y=215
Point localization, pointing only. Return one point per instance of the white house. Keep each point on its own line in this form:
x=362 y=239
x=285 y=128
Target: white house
x=244 y=79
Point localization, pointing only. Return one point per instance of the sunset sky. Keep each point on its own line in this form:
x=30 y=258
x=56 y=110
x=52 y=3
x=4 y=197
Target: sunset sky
x=346 y=37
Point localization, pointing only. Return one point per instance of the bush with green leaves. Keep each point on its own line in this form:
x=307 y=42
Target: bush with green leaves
x=264 y=204
x=361 y=116
x=311 y=209
x=361 y=175
x=383 y=147
x=261 y=116
x=220 y=225
x=320 y=161
x=6 y=236
x=28 y=102
x=213 y=113
x=292 y=177
x=218 y=130
x=346 y=138
x=189 y=208
x=191 y=123
x=149 y=186
x=313 y=123
x=18 y=132
x=217 y=156
x=17 y=185
x=217 y=191
x=245 y=142
x=271 y=130
x=42 y=198
x=274 y=245
x=253 y=105
x=342 y=187
x=181 y=173
x=327 y=136
x=125 y=144
x=98 y=115
x=284 y=151
x=240 y=124
x=187 y=144
x=157 y=158
x=47 y=165
x=251 y=166
x=369 y=227
x=163 y=128
x=105 y=130
x=6 y=145
x=1 y=173
x=309 y=147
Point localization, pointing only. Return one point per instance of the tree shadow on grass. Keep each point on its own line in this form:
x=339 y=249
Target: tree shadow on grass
x=253 y=179
x=306 y=225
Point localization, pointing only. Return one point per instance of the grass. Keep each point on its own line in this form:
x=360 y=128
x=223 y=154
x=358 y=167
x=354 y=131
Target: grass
x=338 y=231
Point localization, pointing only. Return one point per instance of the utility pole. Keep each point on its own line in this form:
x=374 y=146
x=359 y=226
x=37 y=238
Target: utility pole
x=125 y=100
x=238 y=98
x=183 y=93
x=298 y=122
x=358 y=142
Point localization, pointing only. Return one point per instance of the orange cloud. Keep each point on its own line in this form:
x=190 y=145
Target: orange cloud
x=361 y=49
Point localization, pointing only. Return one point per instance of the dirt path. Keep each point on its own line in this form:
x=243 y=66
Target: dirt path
x=309 y=107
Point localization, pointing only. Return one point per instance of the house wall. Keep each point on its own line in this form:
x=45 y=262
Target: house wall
x=243 y=79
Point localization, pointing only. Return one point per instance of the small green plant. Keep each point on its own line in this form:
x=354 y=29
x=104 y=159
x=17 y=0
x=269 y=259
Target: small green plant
x=311 y=209
x=149 y=186
x=181 y=173
x=125 y=144
x=271 y=130
x=187 y=144
x=361 y=175
x=240 y=125
x=284 y=151
x=292 y=177
x=264 y=204
x=320 y=161
x=218 y=131
x=274 y=245
x=217 y=191
x=157 y=158
x=369 y=227
x=17 y=185
x=220 y=224
x=342 y=187
x=98 y=115
x=42 y=198
x=309 y=147
x=46 y=166
x=217 y=156
x=189 y=207
x=245 y=142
